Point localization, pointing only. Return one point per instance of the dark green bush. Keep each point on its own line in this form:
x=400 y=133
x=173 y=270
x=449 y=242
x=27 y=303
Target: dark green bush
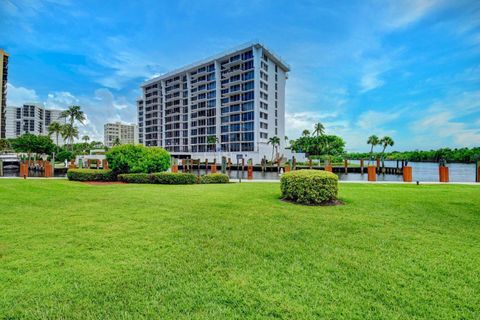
x=135 y=177
x=309 y=186
x=129 y=158
x=90 y=175
x=158 y=178
x=64 y=155
x=214 y=178
x=173 y=178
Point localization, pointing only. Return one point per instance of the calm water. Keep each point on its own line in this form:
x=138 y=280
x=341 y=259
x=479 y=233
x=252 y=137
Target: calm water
x=421 y=171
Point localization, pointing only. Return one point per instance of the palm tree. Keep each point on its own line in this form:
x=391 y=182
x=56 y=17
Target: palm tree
x=372 y=140
x=275 y=142
x=72 y=114
x=305 y=133
x=385 y=142
x=116 y=142
x=86 y=138
x=56 y=129
x=319 y=129
x=212 y=140
x=69 y=132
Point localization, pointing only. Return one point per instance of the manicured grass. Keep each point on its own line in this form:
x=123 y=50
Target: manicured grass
x=75 y=251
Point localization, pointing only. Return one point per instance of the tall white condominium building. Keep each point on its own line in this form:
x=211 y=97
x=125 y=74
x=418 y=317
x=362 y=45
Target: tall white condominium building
x=31 y=118
x=237 y=96
x=125 y=133
x=3 y=91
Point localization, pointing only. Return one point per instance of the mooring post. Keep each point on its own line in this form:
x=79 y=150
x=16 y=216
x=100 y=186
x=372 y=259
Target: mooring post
x=361 y=166
x=407 y=174
x=263 y=164
x=372 y=173
x=477 y=172
x=250 y=169
x=294 y=163
x=443 y=171
x=214 y=166
x=345 y=163
x=224 y=164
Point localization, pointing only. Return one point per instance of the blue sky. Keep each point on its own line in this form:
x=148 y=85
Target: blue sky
x=405 y=68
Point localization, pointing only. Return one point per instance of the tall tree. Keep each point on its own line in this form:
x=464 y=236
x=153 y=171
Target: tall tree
x=373 y=141
x=305 y=133
x=72 y=114
x=56 y=129
x=275 y=142
x=116 y=142
x=385 y=142
x=69 y=132
x=4 y=145
x=86 y=138
x=319 y=129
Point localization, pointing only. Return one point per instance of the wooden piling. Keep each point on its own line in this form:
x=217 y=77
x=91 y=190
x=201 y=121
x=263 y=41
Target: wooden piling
x=443 y=174
x=407 y=174
x=372 y=173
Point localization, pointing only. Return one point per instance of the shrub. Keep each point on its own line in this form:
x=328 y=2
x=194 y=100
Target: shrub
x=63 y=155
x=158 y=178
x=90 y=175
x=309 y=186
x=129 y=158
x=173 y=178
x=214 y=178
x=135 y=178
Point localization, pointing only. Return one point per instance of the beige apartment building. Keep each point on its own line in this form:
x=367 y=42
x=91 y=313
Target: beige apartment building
x=121 y=133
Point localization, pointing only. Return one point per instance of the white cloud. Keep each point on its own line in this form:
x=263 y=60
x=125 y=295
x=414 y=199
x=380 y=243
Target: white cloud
x=61 y=100
x=402 y=13
x=446 y=123
x=124 y=63
x=17 y=96
x=375 y=119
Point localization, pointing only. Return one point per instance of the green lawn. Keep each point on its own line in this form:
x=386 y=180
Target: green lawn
x=74 y=251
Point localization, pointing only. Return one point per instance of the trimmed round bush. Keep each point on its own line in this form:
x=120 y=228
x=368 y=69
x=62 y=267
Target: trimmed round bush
x=129 y=158
x=90 y=175
x=214 y=178
x=173 y=178
x=312 y=187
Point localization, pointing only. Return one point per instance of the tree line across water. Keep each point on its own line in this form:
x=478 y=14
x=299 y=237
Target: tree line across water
x=464 y=155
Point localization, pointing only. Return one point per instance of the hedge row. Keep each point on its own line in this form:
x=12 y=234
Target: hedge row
x=213 y=178
x=309 y=186
x=91 y=175
x=158 y=178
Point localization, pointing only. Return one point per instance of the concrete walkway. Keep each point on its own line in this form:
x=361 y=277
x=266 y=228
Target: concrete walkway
x=278 y=181
x=367 y=182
